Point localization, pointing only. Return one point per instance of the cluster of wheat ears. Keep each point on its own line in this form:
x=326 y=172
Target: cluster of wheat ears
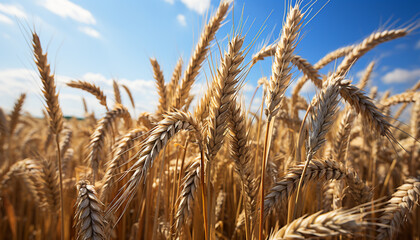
x=345 y=170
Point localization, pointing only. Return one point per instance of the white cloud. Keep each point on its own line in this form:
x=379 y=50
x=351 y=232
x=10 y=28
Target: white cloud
x=12 y=10
x=5 y=19
x=90 y=32
x=181 y=20
x=399 y=75
x=308 y=87
x=418 y=44
x=16 y=80
x=170 y=1
x=199 y=6
x=65 y=8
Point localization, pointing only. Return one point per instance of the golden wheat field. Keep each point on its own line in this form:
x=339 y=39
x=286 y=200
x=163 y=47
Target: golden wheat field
x=207 y=167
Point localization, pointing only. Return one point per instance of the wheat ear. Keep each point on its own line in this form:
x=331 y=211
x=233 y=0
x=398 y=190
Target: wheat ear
x=368 y=43
x=90 y=88
x=200 y=54
x=310 y=71
x=4 y=131
x=342 y=138
x=117 y=93
x=186 y=199
x=130 y=96
x=366 y=75
x=48 y=84
x=316 y=171
x=17 y=169
x=281 y=67
x=320 y=225
x=123 y=146
x=323 y=110
x=160 y=84
x=240 y=151
x=302 y=64
x=173 y=84
x=365 y=107
x=357 y=189
x=97 y=139
x=223 y=94
x=338 y=53
x=50 y=187
x=14 y=116
x=53 y=108
x=4 y=126
x=89 y=216
x=401 y=109
x=66 y=142
x=399 y=207
x=159 y=136
x=405 y=97
x=332 y=56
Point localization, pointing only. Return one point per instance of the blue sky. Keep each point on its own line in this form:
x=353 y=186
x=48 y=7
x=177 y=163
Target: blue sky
x=101 y=40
